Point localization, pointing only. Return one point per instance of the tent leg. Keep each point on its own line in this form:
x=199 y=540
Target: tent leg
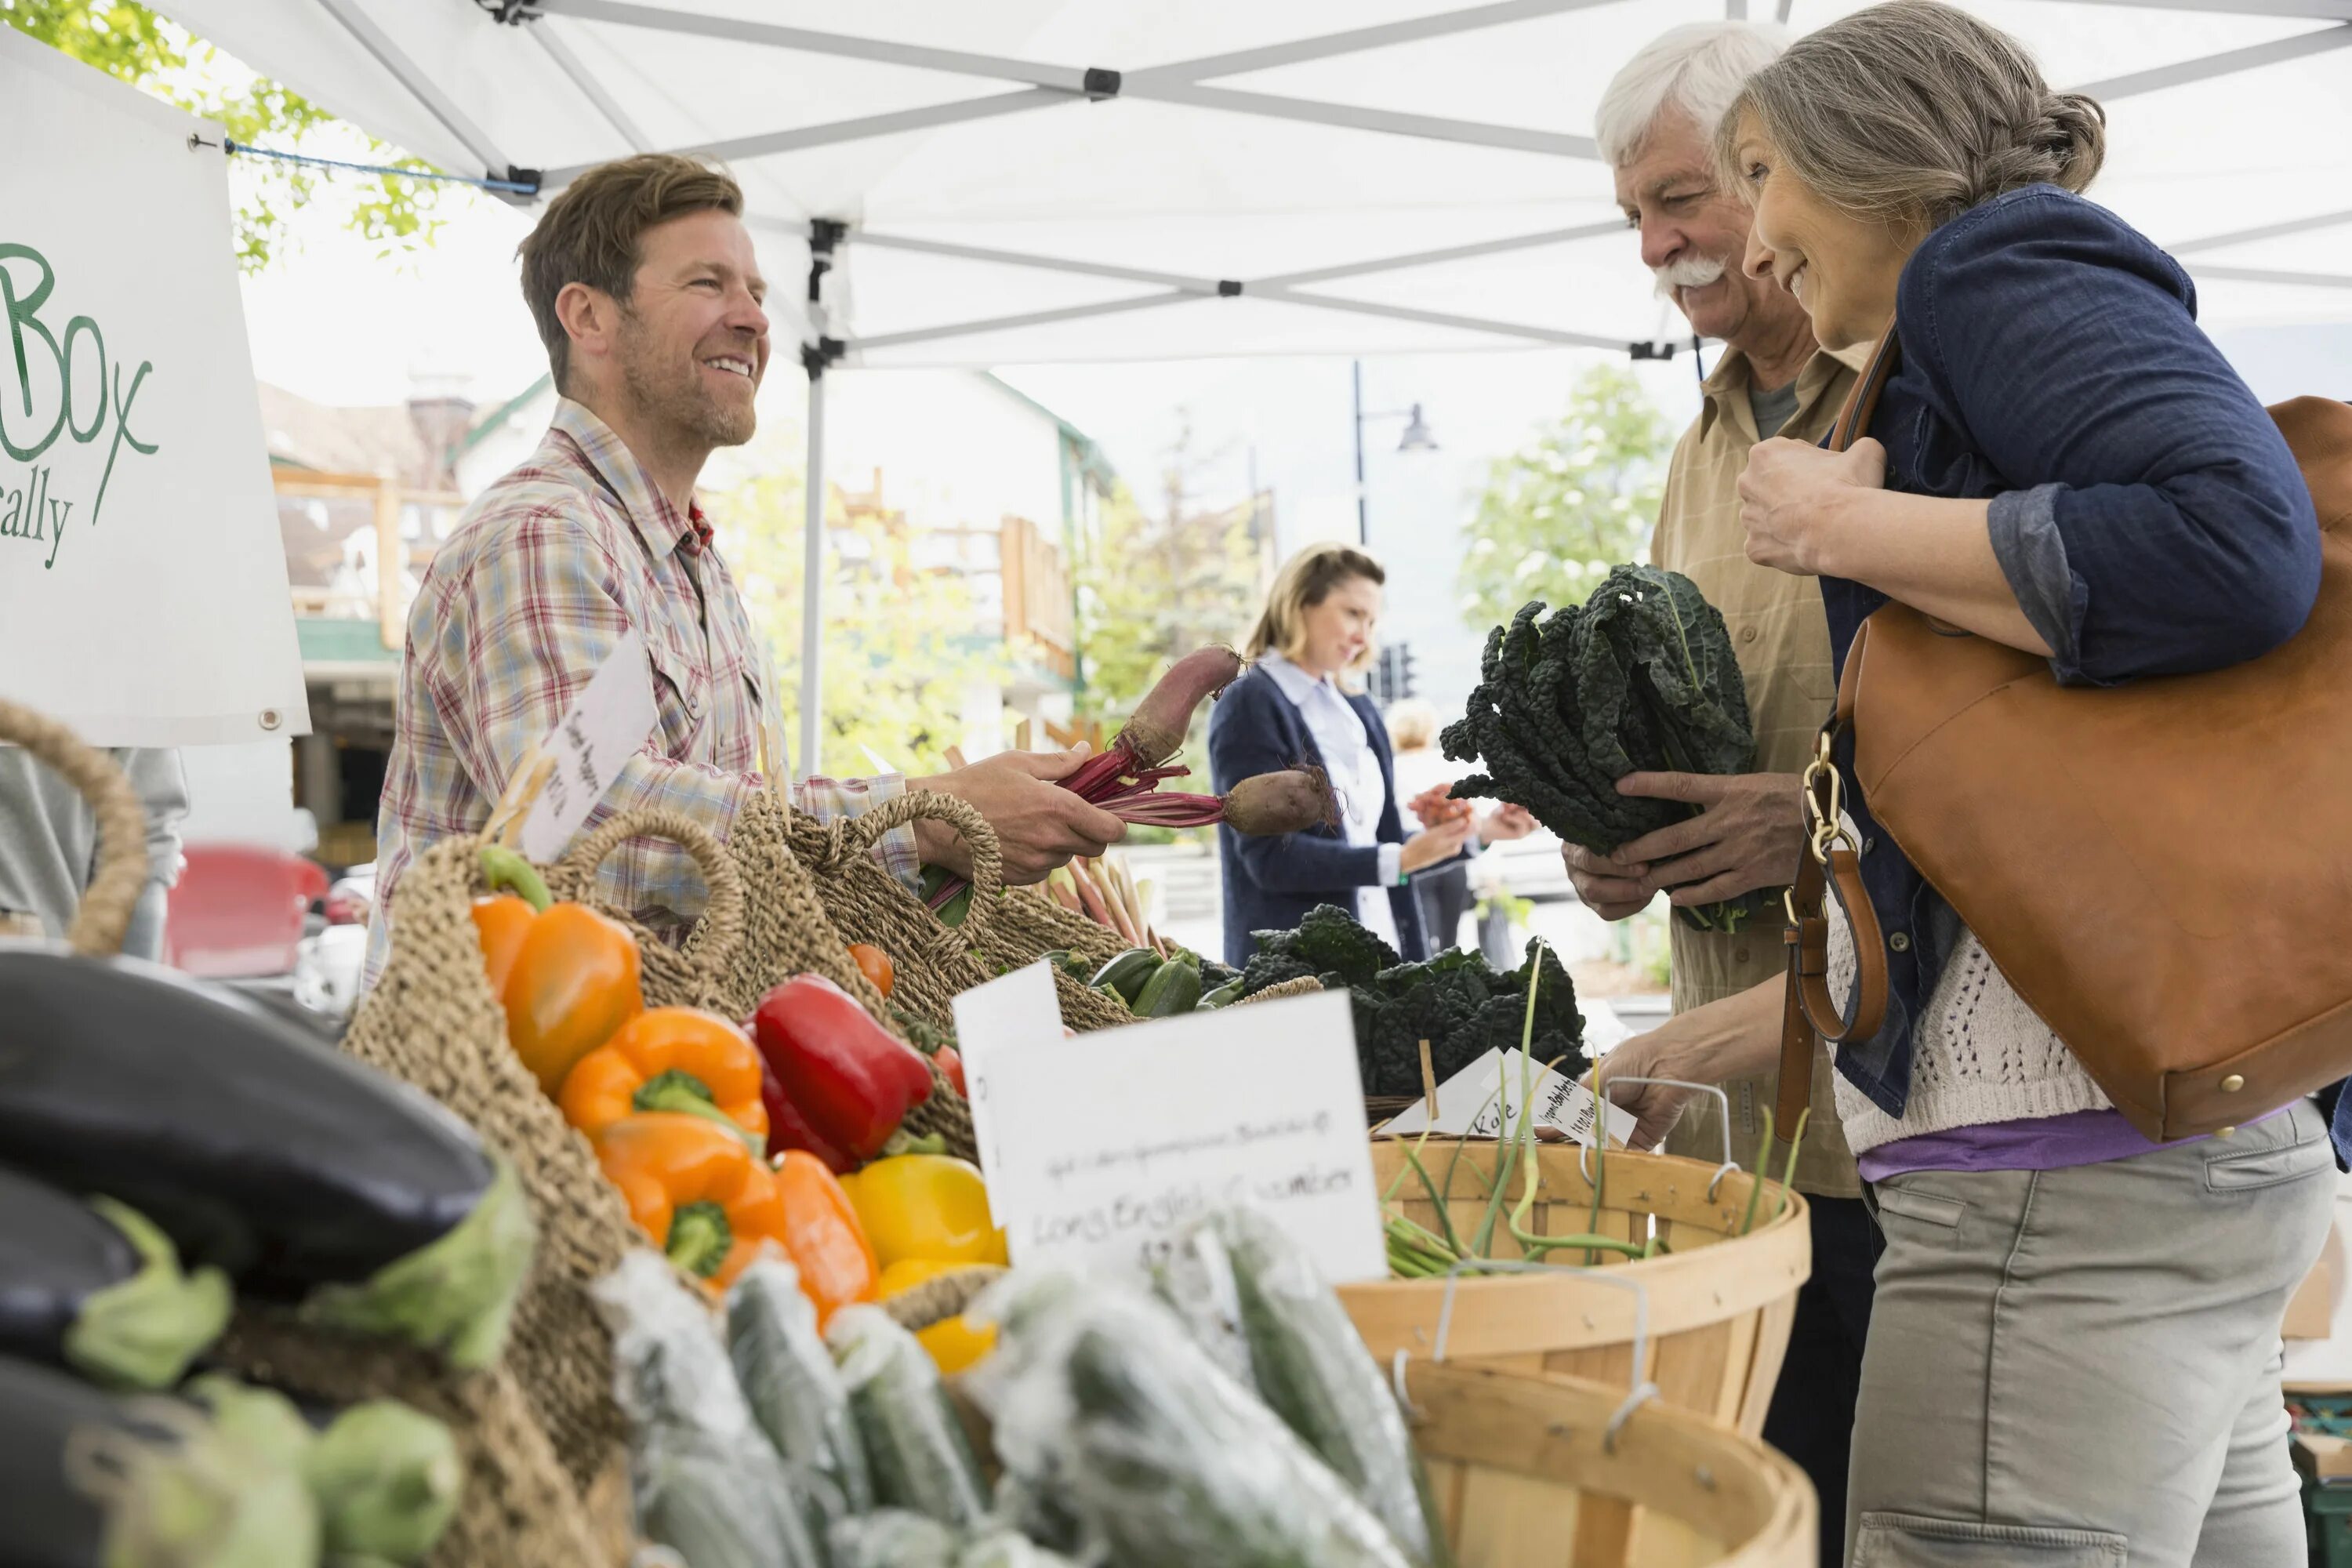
x=813 y=580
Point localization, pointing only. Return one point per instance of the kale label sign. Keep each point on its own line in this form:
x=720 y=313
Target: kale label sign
x=142 y=581
x=45 y=384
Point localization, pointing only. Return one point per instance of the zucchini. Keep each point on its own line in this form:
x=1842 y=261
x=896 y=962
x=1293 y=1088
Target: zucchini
x=795 y=1392
x=1223 y=996
x=297 y=1172
x=915 y=1442
x=1313 y=1370
x=1126 y=975
x=96 y=1286
x=1174 y=990
x=151 y=1482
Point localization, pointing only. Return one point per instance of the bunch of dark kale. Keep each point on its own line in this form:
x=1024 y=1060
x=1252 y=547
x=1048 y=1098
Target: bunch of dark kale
x=1456 y=1001
x=1641 y=677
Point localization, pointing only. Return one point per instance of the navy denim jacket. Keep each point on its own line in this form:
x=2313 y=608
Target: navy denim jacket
x=2144 y=506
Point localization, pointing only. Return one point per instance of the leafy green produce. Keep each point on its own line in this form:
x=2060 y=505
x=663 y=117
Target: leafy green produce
x=1641 y=677
x=1456 y=1001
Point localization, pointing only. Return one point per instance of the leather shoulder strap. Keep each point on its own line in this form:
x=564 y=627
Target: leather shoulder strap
x=1854 y=418
x=1828 y=866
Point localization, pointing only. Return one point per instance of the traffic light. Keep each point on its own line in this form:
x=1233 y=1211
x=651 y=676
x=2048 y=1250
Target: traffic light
x=1392 y=675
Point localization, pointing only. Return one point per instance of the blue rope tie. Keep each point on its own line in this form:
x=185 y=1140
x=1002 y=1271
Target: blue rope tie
x=517 y=187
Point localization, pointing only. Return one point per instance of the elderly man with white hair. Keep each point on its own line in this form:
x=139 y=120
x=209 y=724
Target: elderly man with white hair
x=1655 y=122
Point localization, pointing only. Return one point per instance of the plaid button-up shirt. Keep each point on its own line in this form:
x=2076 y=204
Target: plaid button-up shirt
x=550 y=567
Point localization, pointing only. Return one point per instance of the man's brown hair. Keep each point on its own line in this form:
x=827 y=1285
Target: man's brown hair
x=590 y=234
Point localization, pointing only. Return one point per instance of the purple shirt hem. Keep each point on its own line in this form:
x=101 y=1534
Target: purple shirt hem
x=2040 y=1143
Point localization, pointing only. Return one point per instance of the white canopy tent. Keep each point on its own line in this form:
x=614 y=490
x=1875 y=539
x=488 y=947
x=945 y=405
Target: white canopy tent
x=1033 y=180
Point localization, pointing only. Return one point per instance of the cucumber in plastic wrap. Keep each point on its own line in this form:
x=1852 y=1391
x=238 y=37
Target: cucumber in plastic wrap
x=794 y=1390
x=1101 y=1400
x=708 y=1482
x=914 y=1443
x=1311 y=1368
x=893 y=1537
x=1010 y=1549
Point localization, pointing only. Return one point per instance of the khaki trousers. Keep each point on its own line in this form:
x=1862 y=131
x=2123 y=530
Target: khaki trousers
x=2080 y=1368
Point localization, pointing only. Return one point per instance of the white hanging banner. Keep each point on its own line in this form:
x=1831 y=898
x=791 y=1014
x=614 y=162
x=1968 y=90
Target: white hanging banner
x=142 y=581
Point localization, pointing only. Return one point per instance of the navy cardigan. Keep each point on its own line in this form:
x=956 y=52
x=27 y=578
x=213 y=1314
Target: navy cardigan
x=2144 y=507
x=1271 y=883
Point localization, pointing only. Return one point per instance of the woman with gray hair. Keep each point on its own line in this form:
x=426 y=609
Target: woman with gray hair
x=2074 y=1356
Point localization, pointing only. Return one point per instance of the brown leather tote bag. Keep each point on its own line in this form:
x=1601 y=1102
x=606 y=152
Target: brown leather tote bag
x=2163 y=869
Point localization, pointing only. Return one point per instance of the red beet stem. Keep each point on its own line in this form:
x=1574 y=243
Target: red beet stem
x=1166 y=808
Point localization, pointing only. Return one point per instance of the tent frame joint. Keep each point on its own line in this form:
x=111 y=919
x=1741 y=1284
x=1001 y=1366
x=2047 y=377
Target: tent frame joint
x=1101 y=82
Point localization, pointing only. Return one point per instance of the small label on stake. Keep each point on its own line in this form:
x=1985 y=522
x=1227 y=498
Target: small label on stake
x=1477 y=1102
x=606 y=724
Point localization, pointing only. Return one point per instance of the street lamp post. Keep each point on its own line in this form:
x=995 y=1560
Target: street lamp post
x=1416 y=438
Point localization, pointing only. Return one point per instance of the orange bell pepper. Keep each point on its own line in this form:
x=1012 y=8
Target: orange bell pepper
x=501 y=920
x=697 y=1190
x=572 y=975
x=875 y=965
x=671 y=1058
x=822 y=1235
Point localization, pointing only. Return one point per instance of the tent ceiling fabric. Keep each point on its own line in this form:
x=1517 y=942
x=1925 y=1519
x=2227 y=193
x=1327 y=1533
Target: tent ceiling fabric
x=1252 y=141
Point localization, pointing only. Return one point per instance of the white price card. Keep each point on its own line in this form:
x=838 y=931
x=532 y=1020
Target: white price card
x=1101 y=1149
x=1476 y=1101
x=605 y=725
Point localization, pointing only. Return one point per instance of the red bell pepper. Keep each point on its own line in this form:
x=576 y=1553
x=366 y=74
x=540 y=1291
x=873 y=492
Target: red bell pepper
x=788 y=1129
x=853 y=1080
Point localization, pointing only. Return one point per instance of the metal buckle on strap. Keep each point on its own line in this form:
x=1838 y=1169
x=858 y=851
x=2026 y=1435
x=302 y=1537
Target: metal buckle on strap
x=1827 y=825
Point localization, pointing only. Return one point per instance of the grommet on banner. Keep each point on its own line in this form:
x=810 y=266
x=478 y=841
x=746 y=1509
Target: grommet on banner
x=269 y=719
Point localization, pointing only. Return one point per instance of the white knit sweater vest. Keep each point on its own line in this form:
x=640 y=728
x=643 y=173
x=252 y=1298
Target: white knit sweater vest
x=1980 y=1054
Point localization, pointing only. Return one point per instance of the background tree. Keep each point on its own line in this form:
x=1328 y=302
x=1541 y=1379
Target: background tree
x=1580 y=497
x=904 y=646
x=129 y=42
x=1153 y=587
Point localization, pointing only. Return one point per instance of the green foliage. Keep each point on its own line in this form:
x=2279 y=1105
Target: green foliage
x=901 y=645
x=1456 y=1001
x=1580 y=496
x=1152 y=589
x=131 y=43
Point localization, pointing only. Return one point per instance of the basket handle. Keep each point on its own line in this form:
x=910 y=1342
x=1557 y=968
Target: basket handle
x=1600 y=1083
x=103 y=917
x=1642 y=1391
x=858 y=834
x=721 y=926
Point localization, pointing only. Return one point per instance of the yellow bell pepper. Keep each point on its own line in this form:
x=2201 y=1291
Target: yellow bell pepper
x=955 y=1344
x=926 y=1207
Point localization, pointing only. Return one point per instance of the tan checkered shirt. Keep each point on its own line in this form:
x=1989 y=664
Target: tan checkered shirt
x=1783 y=643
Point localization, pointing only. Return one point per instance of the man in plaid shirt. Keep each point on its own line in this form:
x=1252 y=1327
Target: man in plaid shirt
x=648 y=293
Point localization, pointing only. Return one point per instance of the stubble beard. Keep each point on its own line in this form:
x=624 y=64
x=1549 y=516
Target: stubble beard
x=671 y=394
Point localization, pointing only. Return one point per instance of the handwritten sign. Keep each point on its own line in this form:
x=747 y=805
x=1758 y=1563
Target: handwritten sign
x=610 y=719
x=142 y=577
x=1101 y=1149
x=1477 y=1102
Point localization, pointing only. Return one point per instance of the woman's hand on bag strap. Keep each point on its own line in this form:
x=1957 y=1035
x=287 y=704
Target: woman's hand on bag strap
x=1040 y=825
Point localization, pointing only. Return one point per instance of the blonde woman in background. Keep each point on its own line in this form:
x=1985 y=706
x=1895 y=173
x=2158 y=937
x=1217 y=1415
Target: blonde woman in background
x=1300 y=703
x=1424 y=774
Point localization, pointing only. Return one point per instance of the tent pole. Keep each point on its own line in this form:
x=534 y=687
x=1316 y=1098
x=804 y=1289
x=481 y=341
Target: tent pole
x=824 y=234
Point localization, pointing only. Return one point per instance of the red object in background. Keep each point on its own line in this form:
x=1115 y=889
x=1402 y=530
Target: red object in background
x=238 y=910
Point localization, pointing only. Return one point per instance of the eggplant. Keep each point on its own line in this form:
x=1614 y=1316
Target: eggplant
x=302 y=1174
x=88 y=1480
x=98 y=1289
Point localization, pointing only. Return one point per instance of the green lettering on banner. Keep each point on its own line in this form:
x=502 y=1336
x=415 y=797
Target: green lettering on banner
x=33 y=512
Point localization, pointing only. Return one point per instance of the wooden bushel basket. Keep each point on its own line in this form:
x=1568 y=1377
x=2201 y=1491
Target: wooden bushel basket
x=1719 y=1304
x=1553 y=1473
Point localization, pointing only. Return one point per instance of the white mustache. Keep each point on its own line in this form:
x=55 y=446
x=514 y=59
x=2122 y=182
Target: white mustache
x=1690 y=272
